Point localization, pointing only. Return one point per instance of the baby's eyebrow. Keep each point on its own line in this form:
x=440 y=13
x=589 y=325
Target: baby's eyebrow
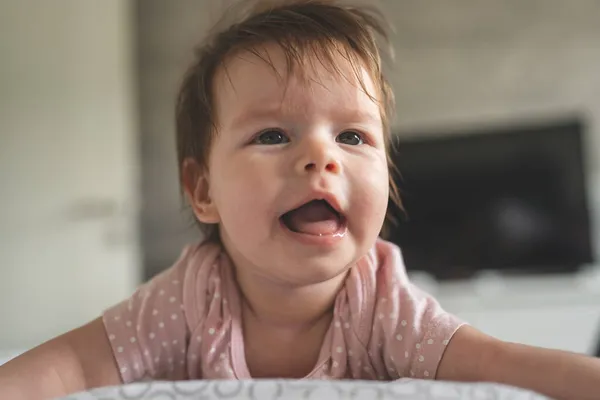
x=339 y=115
x=358 y=116
x=258 y=113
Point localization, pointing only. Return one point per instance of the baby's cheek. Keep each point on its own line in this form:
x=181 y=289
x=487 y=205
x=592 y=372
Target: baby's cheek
x=370 y=199
x=371 y=206
x=251 y=198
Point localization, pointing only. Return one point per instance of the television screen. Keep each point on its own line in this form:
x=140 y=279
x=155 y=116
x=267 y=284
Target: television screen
x=509 y=199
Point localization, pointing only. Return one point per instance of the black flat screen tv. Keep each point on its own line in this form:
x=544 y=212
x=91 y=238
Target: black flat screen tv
x=510 y=199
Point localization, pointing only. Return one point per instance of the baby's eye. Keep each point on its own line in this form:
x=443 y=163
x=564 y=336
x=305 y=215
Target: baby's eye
x=349 y=137
x=270 y=137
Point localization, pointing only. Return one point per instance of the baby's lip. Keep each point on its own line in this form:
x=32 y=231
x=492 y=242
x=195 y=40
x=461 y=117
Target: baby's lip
x=327 y=197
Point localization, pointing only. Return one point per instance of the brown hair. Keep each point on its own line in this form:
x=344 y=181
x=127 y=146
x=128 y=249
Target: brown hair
x=304 y=30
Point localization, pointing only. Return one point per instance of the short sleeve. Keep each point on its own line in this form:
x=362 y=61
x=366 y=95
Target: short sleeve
x=148 y=332
x=410 y=328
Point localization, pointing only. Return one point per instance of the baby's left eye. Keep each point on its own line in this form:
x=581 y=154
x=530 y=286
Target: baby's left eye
x=349 y=137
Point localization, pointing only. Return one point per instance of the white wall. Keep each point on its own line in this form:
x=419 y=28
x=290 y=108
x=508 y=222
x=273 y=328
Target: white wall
x=68 y=165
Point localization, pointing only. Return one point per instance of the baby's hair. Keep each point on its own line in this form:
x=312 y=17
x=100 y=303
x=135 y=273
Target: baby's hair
x=305 y=31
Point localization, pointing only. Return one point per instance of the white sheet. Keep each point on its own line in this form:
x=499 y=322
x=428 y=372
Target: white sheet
x=308 y=390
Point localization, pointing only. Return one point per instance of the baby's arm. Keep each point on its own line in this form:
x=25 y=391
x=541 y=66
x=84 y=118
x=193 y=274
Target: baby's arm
x=474 y=356
x=78 y=360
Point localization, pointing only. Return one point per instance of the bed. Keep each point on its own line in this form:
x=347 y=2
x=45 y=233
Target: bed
x=308 y=390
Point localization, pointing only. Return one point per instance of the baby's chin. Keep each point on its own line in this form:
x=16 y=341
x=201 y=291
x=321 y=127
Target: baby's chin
x=299 y=268
x=307 y=273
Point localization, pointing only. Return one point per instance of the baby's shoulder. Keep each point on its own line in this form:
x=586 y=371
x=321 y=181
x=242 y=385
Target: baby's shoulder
x=201 y=269
x=200 y=259
x=384 y=266
x=160 y=316
x=194 y=261
x=190 y=280
x=376 y=283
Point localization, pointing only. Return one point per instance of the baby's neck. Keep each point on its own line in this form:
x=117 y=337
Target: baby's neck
x=285 y=307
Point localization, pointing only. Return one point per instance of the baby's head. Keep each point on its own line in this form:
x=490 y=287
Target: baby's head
x=282 y=137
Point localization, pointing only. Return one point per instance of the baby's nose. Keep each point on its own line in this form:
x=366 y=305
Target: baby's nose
x=318 y=158
x=330 y=166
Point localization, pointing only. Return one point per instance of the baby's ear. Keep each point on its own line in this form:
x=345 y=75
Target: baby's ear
x=196 y=187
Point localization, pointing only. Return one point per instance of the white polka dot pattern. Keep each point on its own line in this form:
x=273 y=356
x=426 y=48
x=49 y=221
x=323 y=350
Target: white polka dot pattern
x=148 y=332
x=184 y=323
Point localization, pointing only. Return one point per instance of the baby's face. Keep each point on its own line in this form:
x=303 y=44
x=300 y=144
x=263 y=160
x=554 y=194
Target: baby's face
x=298 y=171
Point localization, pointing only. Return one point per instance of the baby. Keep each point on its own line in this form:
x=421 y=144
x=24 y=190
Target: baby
x=283 y=125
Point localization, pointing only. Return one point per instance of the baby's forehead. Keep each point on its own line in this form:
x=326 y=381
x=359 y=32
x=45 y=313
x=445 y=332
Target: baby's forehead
x=267 y=75
x=304 y=65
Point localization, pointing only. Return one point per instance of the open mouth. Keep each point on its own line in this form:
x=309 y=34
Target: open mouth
x=317 y=218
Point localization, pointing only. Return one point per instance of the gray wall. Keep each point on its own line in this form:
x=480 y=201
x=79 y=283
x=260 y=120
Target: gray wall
x=460 y=63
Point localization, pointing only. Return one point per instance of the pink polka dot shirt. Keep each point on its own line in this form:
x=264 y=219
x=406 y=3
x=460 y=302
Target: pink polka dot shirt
x=186 y=323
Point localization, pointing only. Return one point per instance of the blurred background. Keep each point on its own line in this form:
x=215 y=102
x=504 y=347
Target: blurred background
x=498 y=133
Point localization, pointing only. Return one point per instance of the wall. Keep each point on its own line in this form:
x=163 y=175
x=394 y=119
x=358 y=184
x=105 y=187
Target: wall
x=68 y=165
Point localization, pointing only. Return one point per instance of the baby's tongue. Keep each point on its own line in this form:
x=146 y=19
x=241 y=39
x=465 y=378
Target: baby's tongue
x=313 y=218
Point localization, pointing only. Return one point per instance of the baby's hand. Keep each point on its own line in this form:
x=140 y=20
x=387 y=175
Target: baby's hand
x=79 y=360
x=473 y=356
